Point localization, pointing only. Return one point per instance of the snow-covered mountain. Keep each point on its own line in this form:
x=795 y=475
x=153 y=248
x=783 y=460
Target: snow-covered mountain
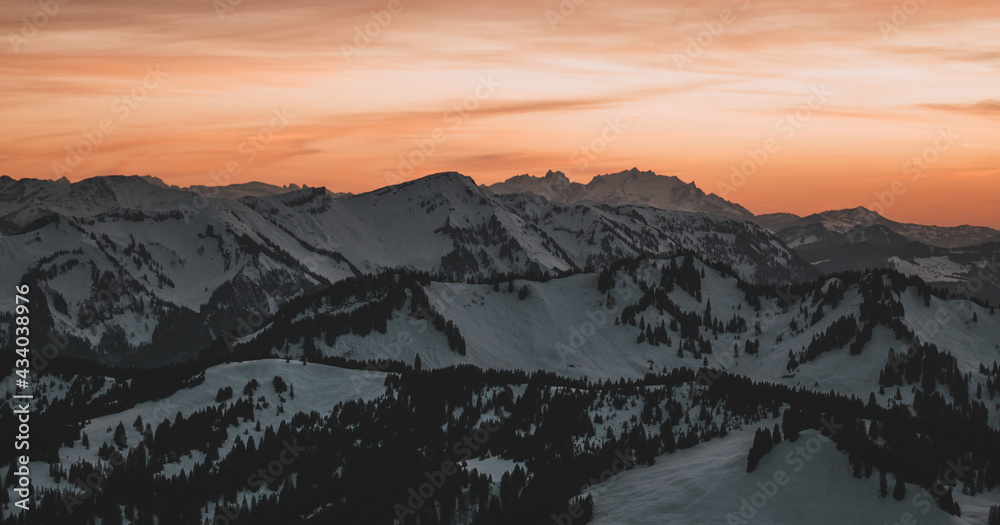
x=842 y=221
x=144 y=259
x=608 y=325
x=632 y=187
x=647 y=383
x=973 y=269
x=27 y=201
x=309 y=357
x=838 y=240
x=445 y=223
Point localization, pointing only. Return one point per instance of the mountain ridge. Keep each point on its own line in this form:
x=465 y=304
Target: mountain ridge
x=626 y=187
x=210 y=264
x=840 y=221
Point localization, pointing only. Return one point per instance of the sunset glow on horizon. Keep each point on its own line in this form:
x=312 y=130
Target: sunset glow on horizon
x=777 y=105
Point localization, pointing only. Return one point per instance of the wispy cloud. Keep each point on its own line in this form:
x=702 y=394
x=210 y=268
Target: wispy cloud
x=605 y=58
x=983 y=108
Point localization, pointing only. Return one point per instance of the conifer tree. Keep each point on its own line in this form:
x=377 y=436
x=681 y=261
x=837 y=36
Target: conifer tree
x=899 y=491
x=762 y=443
x=120 y=438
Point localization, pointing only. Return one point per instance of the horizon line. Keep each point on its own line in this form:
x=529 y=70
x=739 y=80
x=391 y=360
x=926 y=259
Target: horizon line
x=478 y=184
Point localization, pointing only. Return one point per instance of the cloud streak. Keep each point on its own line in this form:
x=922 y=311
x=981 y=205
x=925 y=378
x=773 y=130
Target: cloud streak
x=983 y=108
x=559 y=83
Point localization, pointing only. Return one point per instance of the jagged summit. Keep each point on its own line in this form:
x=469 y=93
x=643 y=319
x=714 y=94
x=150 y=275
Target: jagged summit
x=556 y=175
x=633 y=173
x=156 y=181
x=629 y=187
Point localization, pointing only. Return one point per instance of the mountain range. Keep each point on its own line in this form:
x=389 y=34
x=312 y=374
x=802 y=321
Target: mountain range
x=440 y=352
x=646 y=188
x=155 y=241
x=842 y=221
x=170 y=257
x=833 y=241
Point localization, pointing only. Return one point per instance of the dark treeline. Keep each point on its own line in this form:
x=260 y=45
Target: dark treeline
x=360 y=459
x=919 y=448
x=370 y=454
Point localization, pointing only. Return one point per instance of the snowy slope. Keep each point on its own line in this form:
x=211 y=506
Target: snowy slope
x=445 y=222
x=932 y=269
x=317 y=387
x=568 y=327
x=141 y=252
x=708 y=484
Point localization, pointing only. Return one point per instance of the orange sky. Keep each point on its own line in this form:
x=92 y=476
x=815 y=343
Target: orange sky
x=183 y=89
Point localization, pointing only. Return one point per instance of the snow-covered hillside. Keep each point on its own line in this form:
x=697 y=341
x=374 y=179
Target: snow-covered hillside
x=142 y=258
x=808 y=481
x=569 y=327
x=440 y=353
x=444 y=222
